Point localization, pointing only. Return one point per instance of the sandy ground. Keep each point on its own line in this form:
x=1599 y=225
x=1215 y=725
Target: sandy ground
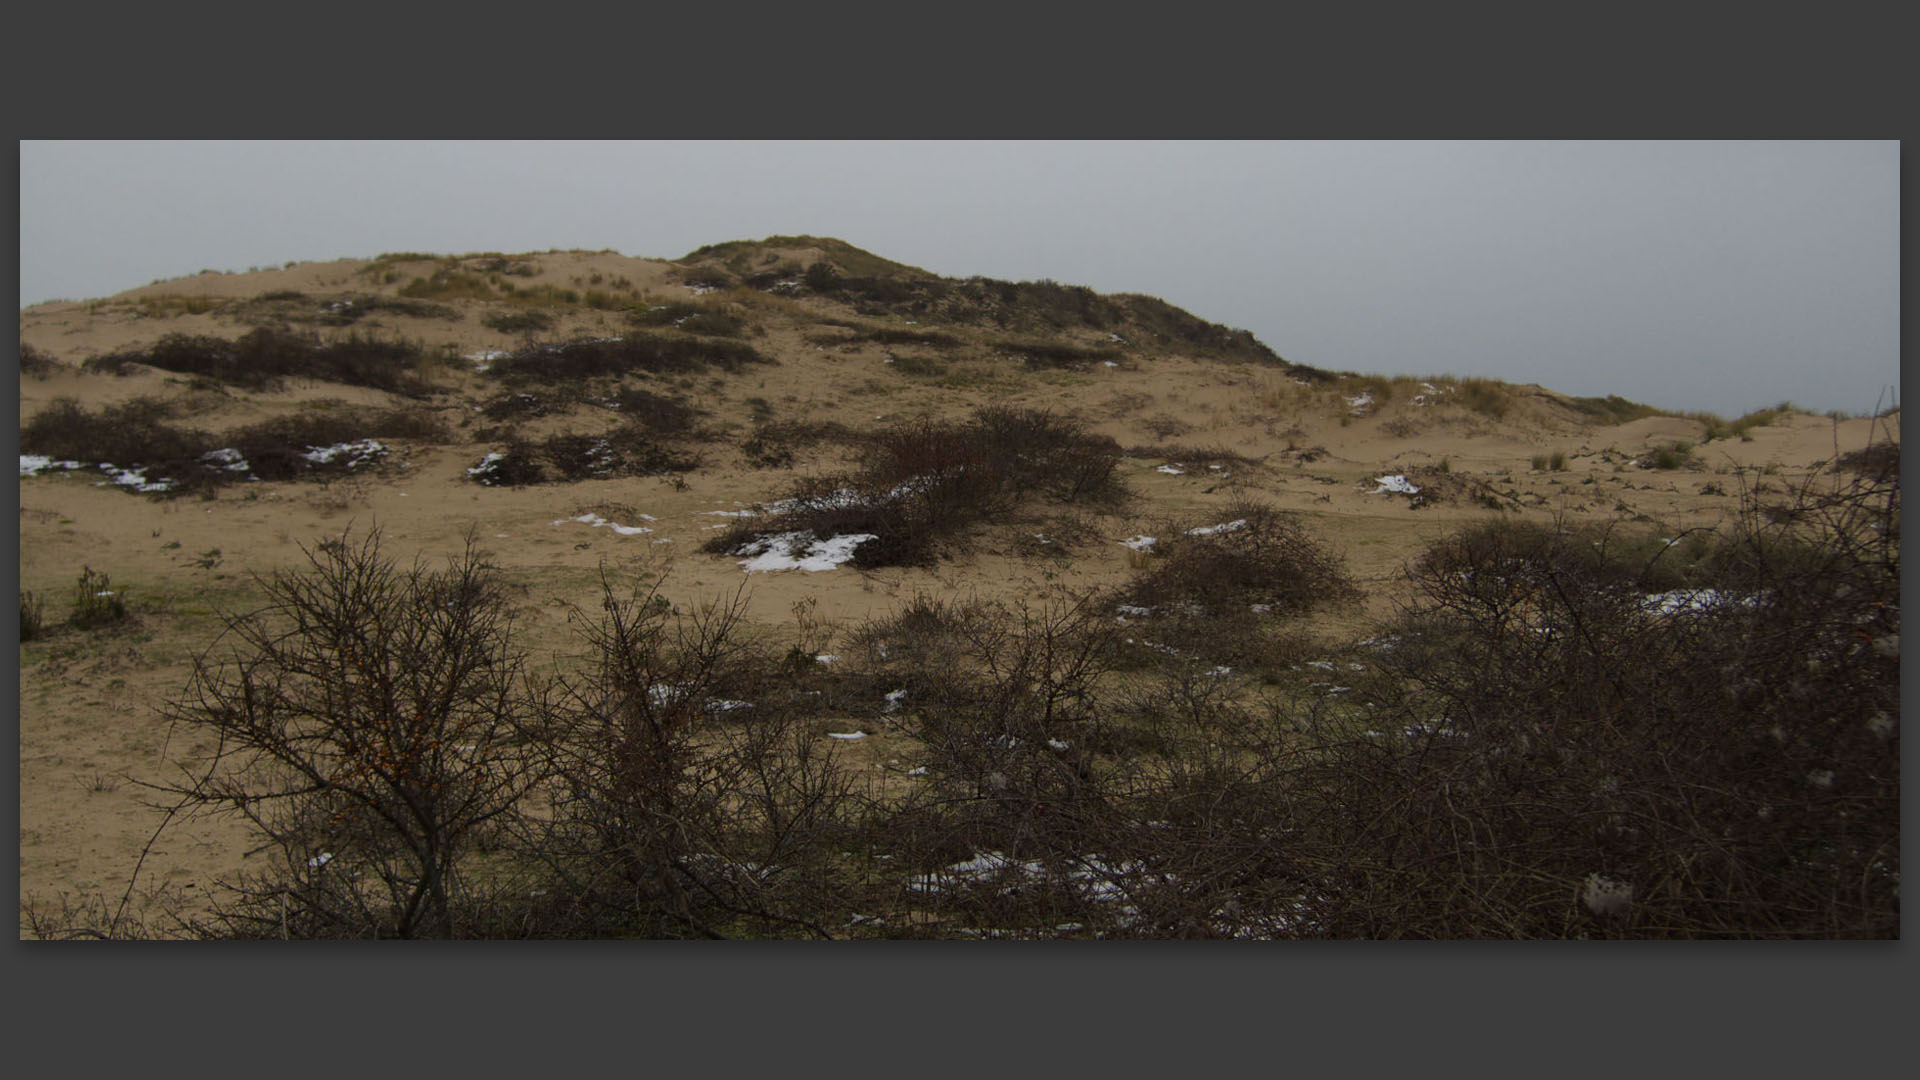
x=90 y=738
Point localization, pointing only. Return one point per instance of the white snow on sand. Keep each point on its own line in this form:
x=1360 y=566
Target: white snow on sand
x=35 y=464
x=596 y=521
x=799 y=551
x=1140 y=543
x=1396 y=484
x=132 y=478
x=1213 y=530
x=355 y=453
x=227 y=458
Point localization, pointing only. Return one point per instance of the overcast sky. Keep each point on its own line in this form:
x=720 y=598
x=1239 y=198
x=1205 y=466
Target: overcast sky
x=1719 y=276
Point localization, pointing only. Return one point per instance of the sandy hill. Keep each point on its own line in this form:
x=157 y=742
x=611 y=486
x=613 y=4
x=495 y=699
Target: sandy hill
x=583 y=413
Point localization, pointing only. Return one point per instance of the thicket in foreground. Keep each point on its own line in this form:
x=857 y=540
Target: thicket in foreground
x=1568 y=733
x=368 y=721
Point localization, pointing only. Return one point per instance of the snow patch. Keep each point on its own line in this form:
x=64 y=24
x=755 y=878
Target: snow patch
x=355 y=454
x=35 y=464
x=596 y=521
x=800 y=551
x=1396 y=484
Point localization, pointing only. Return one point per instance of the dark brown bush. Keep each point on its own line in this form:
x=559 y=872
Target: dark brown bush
x=921 y=487
x=265 y=357
x=35 y=363
x=633 y=352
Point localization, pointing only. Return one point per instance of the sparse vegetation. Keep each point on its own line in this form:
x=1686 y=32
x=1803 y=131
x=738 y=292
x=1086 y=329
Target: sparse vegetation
x=630 y=353
x=518 y=322
x=33 y=616
x=36 y=364
x=1741 y=428
x=1612 y=709
x=96 y=602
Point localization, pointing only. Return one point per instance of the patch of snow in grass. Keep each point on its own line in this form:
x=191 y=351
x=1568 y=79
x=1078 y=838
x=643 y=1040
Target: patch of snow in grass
x=800 y=551
x=893 y=701
x=132 y=478
x=35 y=464
x=1212 y=530
x=1172 y=470
x=227 y=458
x=355 y=453
x=485 y=471
x=1139 y=543
x=596 y=521
x=848 y=736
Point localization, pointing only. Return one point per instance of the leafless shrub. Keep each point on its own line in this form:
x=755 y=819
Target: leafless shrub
x=368 y=722
x=1724 y=762
x=35 y=363
x=689 y=802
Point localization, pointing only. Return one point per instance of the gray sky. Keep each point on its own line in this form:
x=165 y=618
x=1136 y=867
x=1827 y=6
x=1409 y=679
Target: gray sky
x=1719 y=276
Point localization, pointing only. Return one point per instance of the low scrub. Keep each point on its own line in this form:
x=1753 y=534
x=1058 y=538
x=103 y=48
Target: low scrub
x=1613 y=409
x=1741 y=427
x=96 y=602
x=628 y=354
x=1229 y=591
x=265 y=358
x=693 y=318
x=629 y=450
x=36 y=364
x=924 y=486
x=1668 y=456
x=1536 y=747
x=1567 y=756
x=518 y=322
x=148 y=453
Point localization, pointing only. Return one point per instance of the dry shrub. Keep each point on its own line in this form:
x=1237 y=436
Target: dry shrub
x=131 y=434
x=264 y=358
x=658 y=413
x=368 y=723
x=629 y=353
x=1566 y=757
x=689 y=800
x=36 y=363
x=922 y=487
x=628 y=450
x=1226 y=592
x=1255 y=554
